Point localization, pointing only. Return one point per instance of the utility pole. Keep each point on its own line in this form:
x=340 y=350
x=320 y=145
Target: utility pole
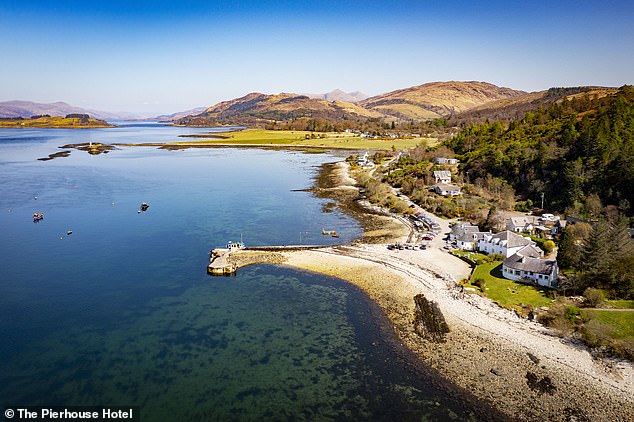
x=542 y=201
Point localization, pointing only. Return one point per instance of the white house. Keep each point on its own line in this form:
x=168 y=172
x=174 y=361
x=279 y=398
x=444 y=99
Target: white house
x=504 y=243
x=468 y=241
x=365 y=161
x=442 y=176
x=443 y=160
x=446 y=189
x=522 y=223
x=527 y=265
x=459 y=229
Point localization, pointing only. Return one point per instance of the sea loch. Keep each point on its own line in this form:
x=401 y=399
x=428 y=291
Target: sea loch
x=122 y=312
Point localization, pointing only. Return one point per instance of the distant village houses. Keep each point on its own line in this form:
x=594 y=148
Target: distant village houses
x=545 y=224
x=443 y=160
x=442 y=176
x=446 y=189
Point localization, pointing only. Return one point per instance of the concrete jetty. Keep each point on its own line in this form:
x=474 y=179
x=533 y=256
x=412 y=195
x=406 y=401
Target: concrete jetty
x=219 y=263
x=226 y=261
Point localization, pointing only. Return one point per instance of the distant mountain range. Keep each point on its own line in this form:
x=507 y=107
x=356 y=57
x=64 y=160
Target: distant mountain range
x=339 y=95
x=27 y=109
x=428 y=101
x=179 y=115
x=437 y=99
x=255 y=107
x=459 y=102
x=516 y=107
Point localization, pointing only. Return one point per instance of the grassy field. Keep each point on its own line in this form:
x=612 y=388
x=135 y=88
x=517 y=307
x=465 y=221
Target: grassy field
x=508 y=293
x=298 y=139
x=52 y=122
x=619 y=304
x=621 y=323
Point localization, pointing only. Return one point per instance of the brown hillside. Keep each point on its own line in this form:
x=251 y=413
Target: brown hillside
x=256 y=107
x=437 y=99
x=516 y=107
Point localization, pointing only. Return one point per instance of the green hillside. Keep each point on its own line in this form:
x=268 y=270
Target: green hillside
x=571 y=151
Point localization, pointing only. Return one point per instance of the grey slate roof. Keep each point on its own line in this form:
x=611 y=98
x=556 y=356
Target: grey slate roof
x=446 y=187
x=443 y=174
x=531 y=251
x=471 y=236
x=513 y=239
x=525 y=260
x=460 y=228
x=522 y=221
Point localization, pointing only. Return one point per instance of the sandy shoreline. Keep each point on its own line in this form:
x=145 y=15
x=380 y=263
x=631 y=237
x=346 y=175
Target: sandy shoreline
x=518 y=366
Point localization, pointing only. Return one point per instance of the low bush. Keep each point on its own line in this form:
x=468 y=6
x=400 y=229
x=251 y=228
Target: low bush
x=480 y=283
x=594 y=297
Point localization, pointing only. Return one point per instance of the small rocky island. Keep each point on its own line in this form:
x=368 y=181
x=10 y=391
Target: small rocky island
x=90 y=147
x=70 y=121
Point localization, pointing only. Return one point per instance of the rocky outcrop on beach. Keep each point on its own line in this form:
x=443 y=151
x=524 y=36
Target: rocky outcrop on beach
x=429 y=322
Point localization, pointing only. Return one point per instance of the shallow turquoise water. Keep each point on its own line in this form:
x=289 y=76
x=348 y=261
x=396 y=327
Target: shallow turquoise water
x=122 y=312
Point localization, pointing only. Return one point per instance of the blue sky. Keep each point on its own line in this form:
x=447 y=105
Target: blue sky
x=155 y=56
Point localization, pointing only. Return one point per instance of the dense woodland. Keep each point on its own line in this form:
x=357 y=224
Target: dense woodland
x=573 y=152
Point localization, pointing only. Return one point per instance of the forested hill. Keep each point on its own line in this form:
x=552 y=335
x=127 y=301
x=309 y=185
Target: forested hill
x=569 y=151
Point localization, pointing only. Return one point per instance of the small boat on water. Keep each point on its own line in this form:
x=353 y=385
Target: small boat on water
x=332 y=233
x=38 y=216
x=144 y=206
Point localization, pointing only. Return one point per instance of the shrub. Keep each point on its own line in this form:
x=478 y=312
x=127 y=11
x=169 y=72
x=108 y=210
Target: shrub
x=594 y=297
x=524 y=206
x=556 y=317
x=549 y=246
x=596 y=333
x=571 y=313
x=480 y=283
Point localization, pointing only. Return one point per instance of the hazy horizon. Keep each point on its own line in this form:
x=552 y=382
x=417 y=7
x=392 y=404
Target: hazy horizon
x=160 y=57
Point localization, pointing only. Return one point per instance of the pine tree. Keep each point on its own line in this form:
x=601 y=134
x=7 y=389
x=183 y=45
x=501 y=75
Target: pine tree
x=568 y=251
x=597 y=256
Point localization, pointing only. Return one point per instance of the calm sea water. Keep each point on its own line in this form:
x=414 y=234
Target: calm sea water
x=122 y=312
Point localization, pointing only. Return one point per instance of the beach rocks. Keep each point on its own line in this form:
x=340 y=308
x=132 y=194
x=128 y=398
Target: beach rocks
x=497 y=372
x=543 y=385
x=533 y=358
